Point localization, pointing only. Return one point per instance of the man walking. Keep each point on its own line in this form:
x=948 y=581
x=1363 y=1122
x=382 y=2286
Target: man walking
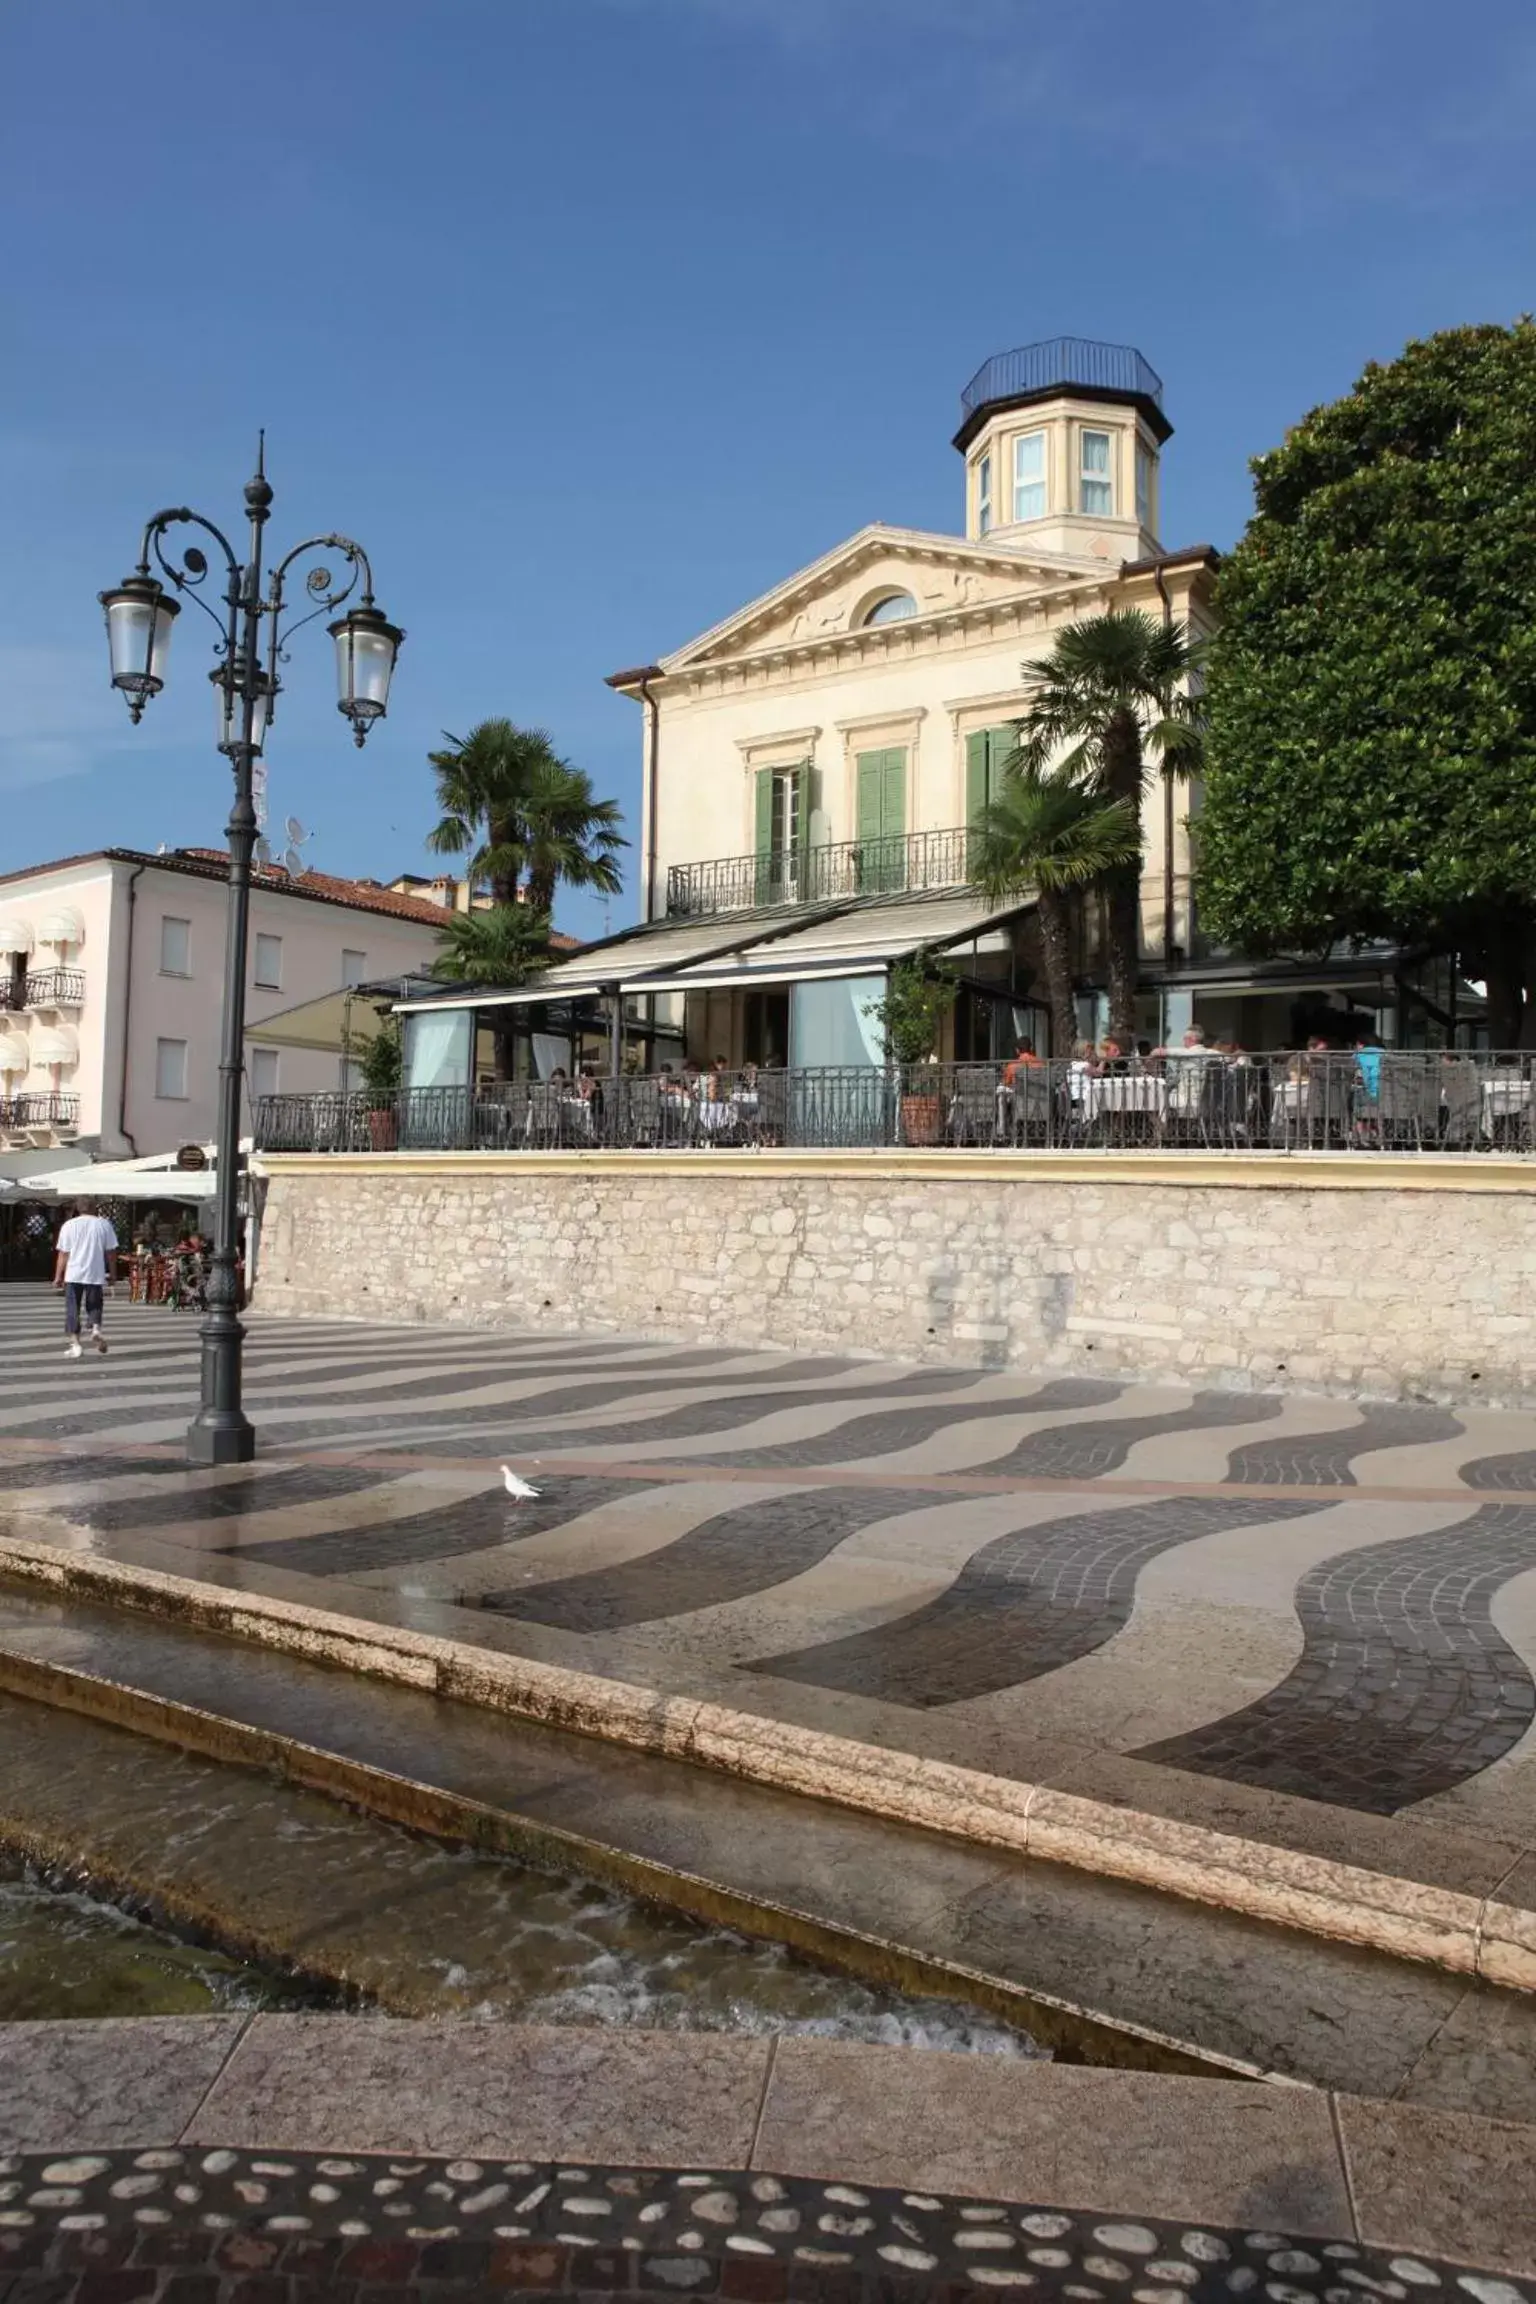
x=85 y=1260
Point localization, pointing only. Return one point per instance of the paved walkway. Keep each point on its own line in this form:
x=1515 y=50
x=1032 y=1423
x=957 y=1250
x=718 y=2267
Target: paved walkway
x=357 y=2159
x=1306 y=1620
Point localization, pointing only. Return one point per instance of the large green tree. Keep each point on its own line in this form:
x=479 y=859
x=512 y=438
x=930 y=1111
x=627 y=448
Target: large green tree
x=1112 y=701
x=1372 y=688
x=527 y=820
x=1056 y=835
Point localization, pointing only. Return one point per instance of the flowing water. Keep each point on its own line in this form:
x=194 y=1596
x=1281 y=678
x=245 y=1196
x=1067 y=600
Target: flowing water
x=567 y=1951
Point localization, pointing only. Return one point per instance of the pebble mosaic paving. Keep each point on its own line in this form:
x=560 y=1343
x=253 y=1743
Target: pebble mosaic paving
x=191 y=2226
x=1329 y=1612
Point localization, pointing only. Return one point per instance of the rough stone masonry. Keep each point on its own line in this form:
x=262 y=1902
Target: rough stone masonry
x=1390 y=1289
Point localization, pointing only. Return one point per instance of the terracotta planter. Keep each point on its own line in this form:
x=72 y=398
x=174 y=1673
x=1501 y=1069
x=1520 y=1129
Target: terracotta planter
x=384 y=1129
x=922 y=1119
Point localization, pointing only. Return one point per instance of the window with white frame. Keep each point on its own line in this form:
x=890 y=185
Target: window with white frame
x=984 y=494
x=1096 y=487
x=1143 y=486
x=263 y=1074
x=1029 y=476
x=268 y=970
x=171 y=1071
x=354 y=969
x=175 y=947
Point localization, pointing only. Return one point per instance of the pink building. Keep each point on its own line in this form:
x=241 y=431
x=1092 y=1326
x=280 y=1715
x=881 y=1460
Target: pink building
x=111 y=977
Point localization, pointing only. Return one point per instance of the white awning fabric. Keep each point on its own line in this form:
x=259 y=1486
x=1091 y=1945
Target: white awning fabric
x=15 y=1055
x=597 y=968
x=59 y=1044
x=861 y=939
x=62 y=926
x=327 y=1025
x=125 y=1180
x=15 y=936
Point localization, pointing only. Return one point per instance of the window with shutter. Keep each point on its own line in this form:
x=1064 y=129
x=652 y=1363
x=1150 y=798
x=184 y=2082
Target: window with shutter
x=781 y=801
x=987 y=753
x=882 y=818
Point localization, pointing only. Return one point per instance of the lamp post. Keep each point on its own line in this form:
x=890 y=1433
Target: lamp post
x=252 y=642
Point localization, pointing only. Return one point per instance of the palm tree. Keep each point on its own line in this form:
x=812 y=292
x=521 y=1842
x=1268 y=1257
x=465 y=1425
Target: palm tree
x=1112 y=694
x=1049 y=832
x=526 y=818
x=503 y=944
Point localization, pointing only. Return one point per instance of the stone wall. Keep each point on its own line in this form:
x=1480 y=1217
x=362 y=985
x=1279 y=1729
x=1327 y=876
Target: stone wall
x=1412 y=1279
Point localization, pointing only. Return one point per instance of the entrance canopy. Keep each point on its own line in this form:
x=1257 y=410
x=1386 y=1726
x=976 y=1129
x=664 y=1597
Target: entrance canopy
x=156 y=1177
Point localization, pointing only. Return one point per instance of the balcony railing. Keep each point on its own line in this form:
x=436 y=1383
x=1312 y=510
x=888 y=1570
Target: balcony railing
x=1062 y=360
x=44 y=1111
x=13 y=997
x=1321 y=1101
x=819 y=875
x=55 y=988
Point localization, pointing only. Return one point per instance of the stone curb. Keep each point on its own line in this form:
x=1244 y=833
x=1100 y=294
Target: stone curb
x=1410 y=1920
x=1225 y=2154
x=1289 y=1171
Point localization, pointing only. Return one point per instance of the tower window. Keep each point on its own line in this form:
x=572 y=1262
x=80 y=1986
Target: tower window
x=892 y=609
x=1029 y=476
x=1143 y=486
x=984 y=494
x=1097 y=490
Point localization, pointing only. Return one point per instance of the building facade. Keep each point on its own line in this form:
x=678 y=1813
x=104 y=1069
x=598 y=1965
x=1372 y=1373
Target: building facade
x=111 y=976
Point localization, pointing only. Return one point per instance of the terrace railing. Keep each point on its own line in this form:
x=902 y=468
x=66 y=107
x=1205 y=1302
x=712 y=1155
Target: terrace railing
x=820 y=875
x=39 y=1111
x=55 y=988
x=1382 y=1101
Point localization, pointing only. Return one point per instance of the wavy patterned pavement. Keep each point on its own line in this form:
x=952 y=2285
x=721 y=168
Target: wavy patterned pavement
x=850 y=1543
x=1023 y=1605
x=1405 y=1686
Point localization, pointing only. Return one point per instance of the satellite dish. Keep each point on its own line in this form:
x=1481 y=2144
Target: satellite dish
x=294 y=830
x=294 y=864
x=263 y=851
x=160 y=849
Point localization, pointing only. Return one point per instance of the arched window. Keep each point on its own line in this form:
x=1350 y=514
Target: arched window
x=892 y=609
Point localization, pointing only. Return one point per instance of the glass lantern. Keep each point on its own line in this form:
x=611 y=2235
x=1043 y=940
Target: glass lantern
x=366 y=647
x=139 y=619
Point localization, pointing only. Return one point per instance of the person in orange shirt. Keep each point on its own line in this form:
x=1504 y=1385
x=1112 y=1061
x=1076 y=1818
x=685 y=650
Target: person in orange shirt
x=1023 y=1055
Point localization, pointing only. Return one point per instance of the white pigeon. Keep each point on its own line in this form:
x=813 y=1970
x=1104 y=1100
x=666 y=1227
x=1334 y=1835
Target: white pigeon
x=516 y=1487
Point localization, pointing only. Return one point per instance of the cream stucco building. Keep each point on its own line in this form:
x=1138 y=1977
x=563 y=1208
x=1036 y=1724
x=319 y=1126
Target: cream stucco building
x=812 y=763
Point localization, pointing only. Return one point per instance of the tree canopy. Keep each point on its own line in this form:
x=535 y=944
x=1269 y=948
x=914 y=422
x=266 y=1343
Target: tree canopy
x=529 y=821
x=1371 y=753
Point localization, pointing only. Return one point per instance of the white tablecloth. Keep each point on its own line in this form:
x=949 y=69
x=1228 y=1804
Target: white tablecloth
x=1125 y=1092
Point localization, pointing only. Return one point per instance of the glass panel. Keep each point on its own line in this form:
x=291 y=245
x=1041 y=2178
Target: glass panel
x=893 y=609
x=827 y=1023
x=1029 y=476
x=364 y=662
x=268 y=971
x=175 y=947
x=984 y=494
x=1143 y=487
x=1097 y=490
x=139 y=636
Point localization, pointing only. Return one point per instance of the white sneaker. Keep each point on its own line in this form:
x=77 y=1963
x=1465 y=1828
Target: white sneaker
x=74 y=1349
x=98 y=1340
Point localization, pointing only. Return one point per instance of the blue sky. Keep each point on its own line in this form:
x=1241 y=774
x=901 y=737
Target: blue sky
x=593 y=318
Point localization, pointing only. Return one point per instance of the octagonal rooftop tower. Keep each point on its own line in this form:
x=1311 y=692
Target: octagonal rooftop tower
x=1061 y=442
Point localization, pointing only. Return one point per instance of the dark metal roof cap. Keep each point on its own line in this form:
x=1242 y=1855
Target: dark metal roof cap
x=1057 y=364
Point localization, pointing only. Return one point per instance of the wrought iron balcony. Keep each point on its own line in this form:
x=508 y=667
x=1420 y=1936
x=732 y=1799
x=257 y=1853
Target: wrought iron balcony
x=55 y=988
x=13 y=997
x=823 y=875
x=44 y=1111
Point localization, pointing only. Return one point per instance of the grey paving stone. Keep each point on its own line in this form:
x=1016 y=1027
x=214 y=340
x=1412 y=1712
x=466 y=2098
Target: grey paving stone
x=1126 y=2142
x=71 y=2086
x=1323 y=1459
x=1448 y=2184
x=439 y=1531
x=363 y=2083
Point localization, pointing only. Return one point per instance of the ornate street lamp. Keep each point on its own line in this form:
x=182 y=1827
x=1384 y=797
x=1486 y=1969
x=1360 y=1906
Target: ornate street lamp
x=252 y=643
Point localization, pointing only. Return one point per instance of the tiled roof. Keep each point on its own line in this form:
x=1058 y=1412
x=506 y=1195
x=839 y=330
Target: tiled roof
x=313 y=887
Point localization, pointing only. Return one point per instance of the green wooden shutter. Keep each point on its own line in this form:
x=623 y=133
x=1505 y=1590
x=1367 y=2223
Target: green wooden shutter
x=870 y=796
x=762 y=806
x=882 y=817
x=893 y=805
x=978 y=772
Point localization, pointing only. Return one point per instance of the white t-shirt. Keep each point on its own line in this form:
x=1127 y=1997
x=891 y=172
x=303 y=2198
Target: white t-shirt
x=86 y=1242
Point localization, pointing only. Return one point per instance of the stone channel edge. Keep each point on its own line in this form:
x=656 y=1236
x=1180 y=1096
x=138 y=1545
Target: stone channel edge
x=1472 y=1935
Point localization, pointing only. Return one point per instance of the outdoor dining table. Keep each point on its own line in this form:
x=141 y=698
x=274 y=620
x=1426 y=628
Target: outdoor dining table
x=1505 y=1099
x=1142 y=1092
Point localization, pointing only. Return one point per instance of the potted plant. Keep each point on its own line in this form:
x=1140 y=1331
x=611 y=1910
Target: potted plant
x=381 y=1070
x=919 y=993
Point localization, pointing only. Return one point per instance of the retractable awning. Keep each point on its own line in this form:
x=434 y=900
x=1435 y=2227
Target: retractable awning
x=626 y=963
x=858 y=940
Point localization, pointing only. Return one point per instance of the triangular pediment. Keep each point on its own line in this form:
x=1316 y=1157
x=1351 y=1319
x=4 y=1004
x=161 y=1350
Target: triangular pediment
x=945 y=575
